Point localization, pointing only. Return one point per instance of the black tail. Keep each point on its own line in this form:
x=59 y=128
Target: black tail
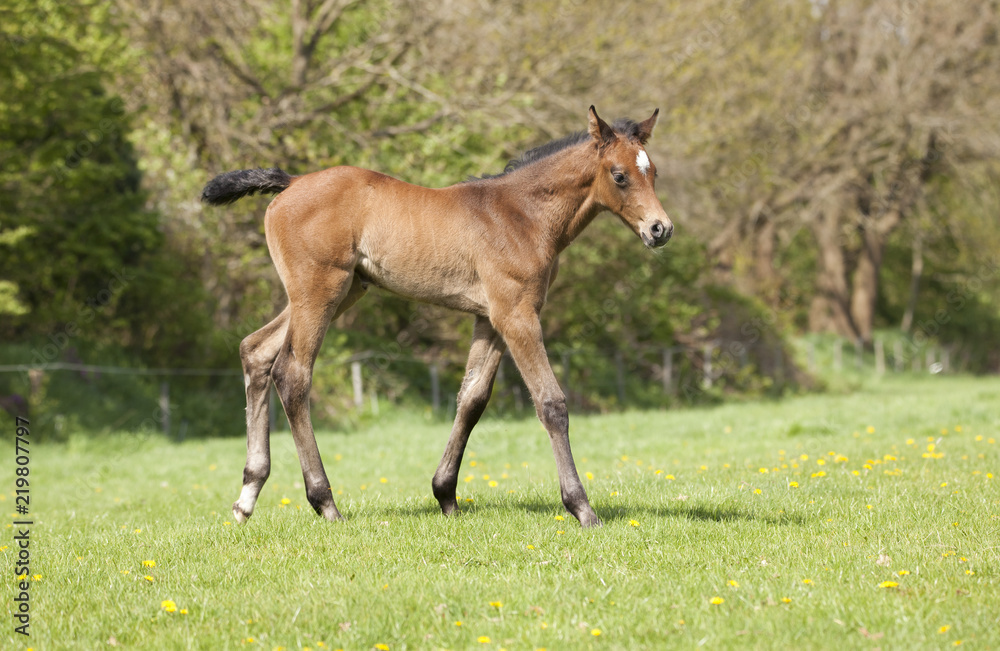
x=232 y=186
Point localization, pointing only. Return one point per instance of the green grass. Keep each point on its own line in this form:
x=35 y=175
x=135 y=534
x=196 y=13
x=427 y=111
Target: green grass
x=399 y=574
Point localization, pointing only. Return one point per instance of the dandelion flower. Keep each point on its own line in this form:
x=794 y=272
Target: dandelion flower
x=458 y=623
x=763 y=471
x=596 y=632
x=531 y=546
x=671 y=477
x=493 y=483
x=888 y=584
x=870 y=429
x=734 y=583
x=560 y=518
x=589 y=476
x=149 y=578
x=717 y=601
x=496 y=604
x=168 y=605
x=903 y=572
x=184 y=611
x=793 y=484
x=634 y=523
x=560 y=532
x=483 y=639
x=944 y=629
x=807 y=581
x=285 y=501
x=149 y=563
x=786 y=600
x=757 y=491
x=379 y=646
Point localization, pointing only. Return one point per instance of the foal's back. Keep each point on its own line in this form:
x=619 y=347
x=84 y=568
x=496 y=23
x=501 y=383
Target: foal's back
x=420 y=243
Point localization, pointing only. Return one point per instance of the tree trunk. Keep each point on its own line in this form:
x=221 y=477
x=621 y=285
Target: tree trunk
x=830 y=308
x=916 y=271
x=765 y=233
x=864 y=281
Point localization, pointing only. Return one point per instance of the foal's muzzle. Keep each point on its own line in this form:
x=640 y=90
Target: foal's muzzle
x=659 y=234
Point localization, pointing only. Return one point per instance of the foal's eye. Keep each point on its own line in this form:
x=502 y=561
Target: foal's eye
x=618 y=177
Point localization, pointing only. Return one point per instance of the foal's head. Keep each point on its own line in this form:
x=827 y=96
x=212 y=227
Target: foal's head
x=626 y=178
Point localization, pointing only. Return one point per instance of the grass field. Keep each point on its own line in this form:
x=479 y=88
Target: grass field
x=869 y=520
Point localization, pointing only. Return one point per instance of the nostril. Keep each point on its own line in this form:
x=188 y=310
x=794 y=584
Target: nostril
x=656 y=230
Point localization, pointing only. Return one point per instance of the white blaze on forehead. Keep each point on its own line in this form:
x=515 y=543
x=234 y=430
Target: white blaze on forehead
x=642 y=161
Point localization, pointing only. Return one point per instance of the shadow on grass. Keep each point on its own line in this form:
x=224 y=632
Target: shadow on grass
x=702 y=512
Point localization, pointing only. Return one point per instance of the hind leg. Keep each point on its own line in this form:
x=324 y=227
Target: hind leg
x=484 y=359
x=258 y=352
x=292 y=373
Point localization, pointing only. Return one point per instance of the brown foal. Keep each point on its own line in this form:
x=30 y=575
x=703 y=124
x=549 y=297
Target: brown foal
x=489 y=247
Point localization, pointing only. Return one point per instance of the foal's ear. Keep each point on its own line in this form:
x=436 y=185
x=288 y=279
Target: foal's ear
x=646 y=127
x=599 y=129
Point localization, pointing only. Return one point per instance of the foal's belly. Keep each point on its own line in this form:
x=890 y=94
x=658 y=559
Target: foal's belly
x=425 y=279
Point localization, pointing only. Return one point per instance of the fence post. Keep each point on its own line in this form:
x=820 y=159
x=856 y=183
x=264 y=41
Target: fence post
x=356 y=383
x=435 y=388
x=165 y=407
x=879 y=357
x=620 y=376
x=668 y=370
x=706 y=367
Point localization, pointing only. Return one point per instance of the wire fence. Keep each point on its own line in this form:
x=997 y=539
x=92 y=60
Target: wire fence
x=644 y=377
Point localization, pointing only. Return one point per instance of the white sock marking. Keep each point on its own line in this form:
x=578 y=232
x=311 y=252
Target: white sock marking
x=642 y=161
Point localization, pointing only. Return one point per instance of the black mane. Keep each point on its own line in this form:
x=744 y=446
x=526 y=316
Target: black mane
x=624 y=127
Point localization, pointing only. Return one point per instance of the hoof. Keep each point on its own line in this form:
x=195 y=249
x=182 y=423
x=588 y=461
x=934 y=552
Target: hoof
x=238 y=514
x=589 y=520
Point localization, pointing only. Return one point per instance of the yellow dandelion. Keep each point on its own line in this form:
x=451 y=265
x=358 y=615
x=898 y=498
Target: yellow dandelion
x=458 y=623
x=757 y=491
x=793 y=484
x=589 y=476
x=807 y=581
x=634 y=523
x=496 y=604
x=671 y=477
x=943 y=484
x=168 y=605
x=888 y=584
x=493 y=483
x=717 y=601
x=184 y=611
x=149 y=578
x=486 y=477
x=560 y=518
x=734 y=583
x=970 y=572
x=596 y=632
x=383 y=480
x=483 y=639
x=869 y=507
x=38 y=577
x=944 y=629
x=285 y=501
x=763 y=471
x=870 y=429
x=560 y=532
x=531 y=547
x=149 y=563
x=786 y=600
x=138 y=531
x=903 y=572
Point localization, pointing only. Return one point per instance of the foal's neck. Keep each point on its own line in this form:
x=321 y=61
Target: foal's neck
x=557 y=192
